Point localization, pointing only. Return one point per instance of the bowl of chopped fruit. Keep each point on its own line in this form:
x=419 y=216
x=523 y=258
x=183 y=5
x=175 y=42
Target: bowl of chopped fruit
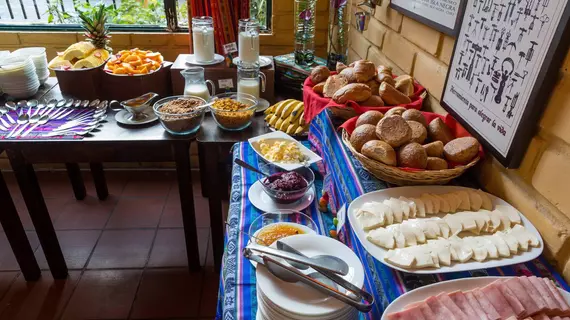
x=233 y=111
x=285 y=187
x=180 y=115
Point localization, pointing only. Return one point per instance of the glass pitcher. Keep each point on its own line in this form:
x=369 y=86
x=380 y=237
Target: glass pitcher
x=203 y=39
x=195 y=85
x=248 y=39
x=248 y=79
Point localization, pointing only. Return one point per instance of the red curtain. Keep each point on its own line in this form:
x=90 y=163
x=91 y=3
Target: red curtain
x=225 y=14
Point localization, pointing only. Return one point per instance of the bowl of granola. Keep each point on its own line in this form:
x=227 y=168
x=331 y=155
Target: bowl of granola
x=180 y=115
x=233 y=111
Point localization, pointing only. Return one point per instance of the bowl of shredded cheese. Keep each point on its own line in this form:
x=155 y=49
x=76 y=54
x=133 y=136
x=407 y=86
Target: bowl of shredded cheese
x=284 y=186
x=281 y=150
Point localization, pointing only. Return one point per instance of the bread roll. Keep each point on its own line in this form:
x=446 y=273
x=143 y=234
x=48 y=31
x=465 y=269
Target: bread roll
x=348 y=74
x=412 y=155
x=364 y=70
x=385 y=70
x=380 y=151
x=320 y=74
x=391 y=96
x=332 y=85
x=415 y=115
x=405 y=84
x=396 y=111
x=354 y=91
x=394 y=130
x=434 y=163
x=340 y=66
x=382 y=77
x=361 y=135
x=439 y=131
x=419 y=132
x=374 y=86
x=461 y=150
x=319 y=88
x=369 y=117
x=373 y=101
x=434 y=149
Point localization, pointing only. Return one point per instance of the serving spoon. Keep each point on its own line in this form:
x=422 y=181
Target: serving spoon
x=248 y=166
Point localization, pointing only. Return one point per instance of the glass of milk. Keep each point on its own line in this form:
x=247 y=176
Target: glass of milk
x=249 y=79
x=248 y=41
x=203 y=39
x=196 y=85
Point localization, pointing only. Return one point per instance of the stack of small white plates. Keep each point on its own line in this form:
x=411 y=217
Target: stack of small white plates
x=18 y=77
x=39 y=57
x=280 y=300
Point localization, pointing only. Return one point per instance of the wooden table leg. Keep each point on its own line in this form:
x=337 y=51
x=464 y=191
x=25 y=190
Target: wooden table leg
x=203 y=176
x=99 y=180
x=215 y=202
x=39 y=214
x=74 y=174
x=17 y=236
x=181 y=150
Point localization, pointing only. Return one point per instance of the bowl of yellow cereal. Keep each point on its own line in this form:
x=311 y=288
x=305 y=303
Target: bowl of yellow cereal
x=233 y=111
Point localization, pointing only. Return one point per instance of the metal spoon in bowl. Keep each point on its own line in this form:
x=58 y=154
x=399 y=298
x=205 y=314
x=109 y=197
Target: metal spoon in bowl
x=248 y=166
x=327 y=259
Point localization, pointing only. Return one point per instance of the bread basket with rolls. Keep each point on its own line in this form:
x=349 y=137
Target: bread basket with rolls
x=361 y=84
x=410 y=147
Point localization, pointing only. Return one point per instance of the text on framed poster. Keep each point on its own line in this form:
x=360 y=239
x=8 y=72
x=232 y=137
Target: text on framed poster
x=442 y=15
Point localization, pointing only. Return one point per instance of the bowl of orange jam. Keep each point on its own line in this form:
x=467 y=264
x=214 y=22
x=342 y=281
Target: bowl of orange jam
x=272 y=226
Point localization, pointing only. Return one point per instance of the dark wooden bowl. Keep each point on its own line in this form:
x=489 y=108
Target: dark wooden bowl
x=121 y=88
x=81 y=84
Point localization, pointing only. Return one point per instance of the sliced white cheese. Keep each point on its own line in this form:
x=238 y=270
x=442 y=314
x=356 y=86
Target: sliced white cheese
x=382 y=237
x=492 y=251
x=369 y=220
x=405 y=209
x=494 y=220
x=463 y=251
x=475 y=200
x=423 y=257
x=413 y=209
x=510 y=212
x=479 y=251
x=467 y=220
x=399 y=258
x=502 y=246
x=505 y=222
x=523 y=236
x=420 y=207
x=510 y=240
x=435 y=203
x=428 y=202
x=454 y=224
x=444 y=229
x=394 y=204
x=465 y=203
x=431 y=228
x=415 y=226
x=409 y=234
x=487 y=203
x=442 y=248
x=398 y=235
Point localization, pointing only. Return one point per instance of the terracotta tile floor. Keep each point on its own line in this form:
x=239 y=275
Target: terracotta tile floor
x=126 y=254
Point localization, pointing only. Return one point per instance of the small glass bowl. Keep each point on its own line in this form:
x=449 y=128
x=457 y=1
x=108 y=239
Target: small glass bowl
x=182 y=123
x=290 y=217
x=234 y=120
x=286 y=197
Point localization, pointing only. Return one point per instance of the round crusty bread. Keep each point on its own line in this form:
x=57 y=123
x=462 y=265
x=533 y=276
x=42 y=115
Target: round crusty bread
x=419 y=132
x=438 y=130
x=358 y=92
x=333 y=84
x=394 y=130
x=380 y=151
x=412 y=155
x=434 y=149
x=434 y=163
x=461 y=150
x=374 y=86
x=396 y=111
x=320 y=74
x=415 y=115
x=373 y=101
x=319 y=88
x=361 y=135
x=369 y=117
x=348 y=74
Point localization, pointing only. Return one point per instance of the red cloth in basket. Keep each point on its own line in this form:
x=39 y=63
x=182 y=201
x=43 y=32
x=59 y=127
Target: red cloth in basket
x=315 y=103
x=456 y=129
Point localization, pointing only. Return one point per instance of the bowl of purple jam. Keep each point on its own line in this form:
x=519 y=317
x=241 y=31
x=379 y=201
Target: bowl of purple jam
x=286 y=186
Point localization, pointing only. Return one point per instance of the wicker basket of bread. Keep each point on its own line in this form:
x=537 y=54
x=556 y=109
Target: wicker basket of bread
x=361 y=83
x=409 y=147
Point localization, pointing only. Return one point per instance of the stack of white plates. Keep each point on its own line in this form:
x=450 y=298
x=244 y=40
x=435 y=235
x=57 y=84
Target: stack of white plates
x=39 y=57
x=277 y=299
x=18 y=77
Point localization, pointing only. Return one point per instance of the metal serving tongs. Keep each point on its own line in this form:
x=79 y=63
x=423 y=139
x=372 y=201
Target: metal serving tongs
x=290 y=274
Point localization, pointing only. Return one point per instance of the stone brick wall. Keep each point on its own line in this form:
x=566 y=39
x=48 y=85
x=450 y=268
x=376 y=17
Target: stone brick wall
x=540 y=187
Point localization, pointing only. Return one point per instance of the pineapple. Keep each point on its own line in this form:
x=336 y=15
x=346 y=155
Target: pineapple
x=95 y=30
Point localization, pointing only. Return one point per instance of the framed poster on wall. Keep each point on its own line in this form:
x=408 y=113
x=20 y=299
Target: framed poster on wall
x=442 y=15
x=504 y=66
